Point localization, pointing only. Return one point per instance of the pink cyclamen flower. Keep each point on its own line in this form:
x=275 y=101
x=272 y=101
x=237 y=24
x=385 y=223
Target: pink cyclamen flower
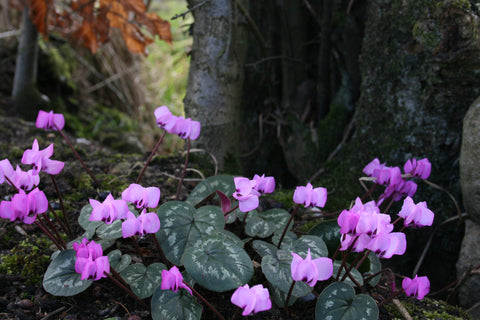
x=6 y=170
x=165 y=119
x=416 y=215
x=385 y=245
x=251 y=300
x=246 y=194
x=417 y=287
x=108 y=211
x=40 y=159
x=90 y=262
x=173 y=280
x=310 y=197
x=141 y=197
x=186 y=128
x=24 y=207
x=25 y=180
x=50 y=120
x=144 y=223
x=418 y=168
x=311 y=271
x=264 y=184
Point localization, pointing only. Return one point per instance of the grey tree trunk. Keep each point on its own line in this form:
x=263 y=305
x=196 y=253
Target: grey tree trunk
x=216 y=75
x=25 y=95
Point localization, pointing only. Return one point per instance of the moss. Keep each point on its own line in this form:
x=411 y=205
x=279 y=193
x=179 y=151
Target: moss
x=83 y=181
x=428 y=309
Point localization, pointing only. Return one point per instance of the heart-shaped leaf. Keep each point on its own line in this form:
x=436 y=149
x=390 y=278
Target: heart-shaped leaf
x=60 y=279
x=111 y=231
x=143 y=280
x=375 y=267
x=84 y=218
x=118 y=261
x=329 y=231
x=280 y=296
x=183 y=227
x=289 y=237
x=264 y=248
x=218 y=264
x=300 y=246
x=353 y=272
x=338 y=301
x=257 y=227
x=223 y=183
x=180 y=305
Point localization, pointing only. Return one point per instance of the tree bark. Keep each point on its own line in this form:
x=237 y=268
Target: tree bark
x=216 y=75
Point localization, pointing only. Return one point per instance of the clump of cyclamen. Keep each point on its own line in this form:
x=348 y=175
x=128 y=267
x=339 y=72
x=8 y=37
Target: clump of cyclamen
x=90 y=261
x=184 y=128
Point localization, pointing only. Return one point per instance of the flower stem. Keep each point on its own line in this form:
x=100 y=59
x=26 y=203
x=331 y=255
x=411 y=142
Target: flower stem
x=286 y=226
x=42 y=227
x=137 y=247
x=289 y=294
x=65 y=216
x=78 y=157
x=362 y=257
x=389 y=298
x=151 y=156
x=124 y=288
x=231 y=210
x=204 y=300
x=160 y=251
x=45 y=217
x=184 y=170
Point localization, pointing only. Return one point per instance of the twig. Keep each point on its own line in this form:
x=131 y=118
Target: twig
x=188 y=11
x=313 y=12
x=402 y=309
x=252 y=25
x=457 y=207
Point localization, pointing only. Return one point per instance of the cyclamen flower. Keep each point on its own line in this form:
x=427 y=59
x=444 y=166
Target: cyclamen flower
x=141 y=197
x=40 y=159
x=6 y=170
x=108 y=211
x=416 y=215
x=246 y=194
x=311 y=271
x=165 y=119
x=50 y=120
x=184 y=128
x=90 y=262
x=144 y=223
x=252 y=300
x=25 y=180
x=386 y=245
x=173 y=280
x=417 y=287
x=310 y=197
x=24 y=207
x=264 y=184
x=421 y=168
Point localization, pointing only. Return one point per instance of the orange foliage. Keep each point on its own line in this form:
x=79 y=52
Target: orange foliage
x=90 y=21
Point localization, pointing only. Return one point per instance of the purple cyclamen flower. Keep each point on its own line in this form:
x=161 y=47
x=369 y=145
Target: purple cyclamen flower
x=264 y=184
x=186 y=128
x=252 y=300
x=40 y=159
x=418 y=168
x=141 y=197
x=417 y=287
x=50 y=120
x=416 y=215
x=385 y=245
x=144 y=223
x=108 y=211
x=311 y=271
x=364 y=219
x=24 y=207
x=246 y=194
x=90 y=262
x=173 y=280
x=25 y=180
x=165 y=119
x=310 y=197
x=6 y=170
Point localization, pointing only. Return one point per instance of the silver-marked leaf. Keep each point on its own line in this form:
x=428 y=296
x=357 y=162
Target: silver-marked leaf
x=280 y=296
x=83 y=218
x=183 y=227
x=300 y=246
x=60 y=279
x=278 y=273
x=257 y=227
x=375 y=267
x=111 y=231
x=264 y=248
x=289 y=237
x=232 y=237
x=354 y=273
x=329 y=231
x=118 y=261
x=180 y=305
x=278 y=216
x=143 y=280
x=339 y=302
x=222 y=183
x=218 y=264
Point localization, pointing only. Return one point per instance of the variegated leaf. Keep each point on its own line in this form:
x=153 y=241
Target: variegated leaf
x=180 y=305
x=143 y=280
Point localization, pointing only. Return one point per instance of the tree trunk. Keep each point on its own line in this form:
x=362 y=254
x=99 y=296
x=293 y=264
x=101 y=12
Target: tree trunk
x=25 y=95
x=216 y=75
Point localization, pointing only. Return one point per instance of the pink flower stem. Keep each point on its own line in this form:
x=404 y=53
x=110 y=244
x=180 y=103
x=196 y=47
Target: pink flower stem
x=219 y=315
x=289 y=294
x=160 y=251
x=369 y=191
x=151 y=156
x=137 y=247
x=184 y=170
x=52 y=226
x=231 y=210
x=124 y=288
x=360 y=256
x=389 y=205
x=65 y=216
x=344 y=259
x=286 y=226
x=78 y=157
x=245 y=217
x=367 y=252
x=390 y=298
x=42 y=227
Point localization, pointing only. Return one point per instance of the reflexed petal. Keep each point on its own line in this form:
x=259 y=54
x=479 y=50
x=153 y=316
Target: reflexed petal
x=324 y=267
x=248 y=204
x=102 y=265
x=52 y=166
x=150 y=222
x=194 y=130
x=130 y=227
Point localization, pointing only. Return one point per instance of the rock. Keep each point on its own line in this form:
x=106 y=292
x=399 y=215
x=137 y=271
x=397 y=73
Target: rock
x=469 y=257
x=469 y=160
x=25 y=304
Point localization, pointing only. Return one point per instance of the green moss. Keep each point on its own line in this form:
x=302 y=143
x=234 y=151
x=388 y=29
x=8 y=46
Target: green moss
x=83 y=181
x=428 y=309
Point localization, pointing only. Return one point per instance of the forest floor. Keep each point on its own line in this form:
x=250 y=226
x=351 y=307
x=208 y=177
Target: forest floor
x=25 y=251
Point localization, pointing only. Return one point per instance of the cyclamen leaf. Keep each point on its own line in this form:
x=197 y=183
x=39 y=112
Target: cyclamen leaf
x=264 y=248
x=60 y=279
x=218 y=264
x=223 y=183
x=118 y=261
x=339 y=302
x=110 y=231
x=329 y=231
x=143 y=280
x=300 y=246
x=167 y=304
x=354 y=273
x=183 y=227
